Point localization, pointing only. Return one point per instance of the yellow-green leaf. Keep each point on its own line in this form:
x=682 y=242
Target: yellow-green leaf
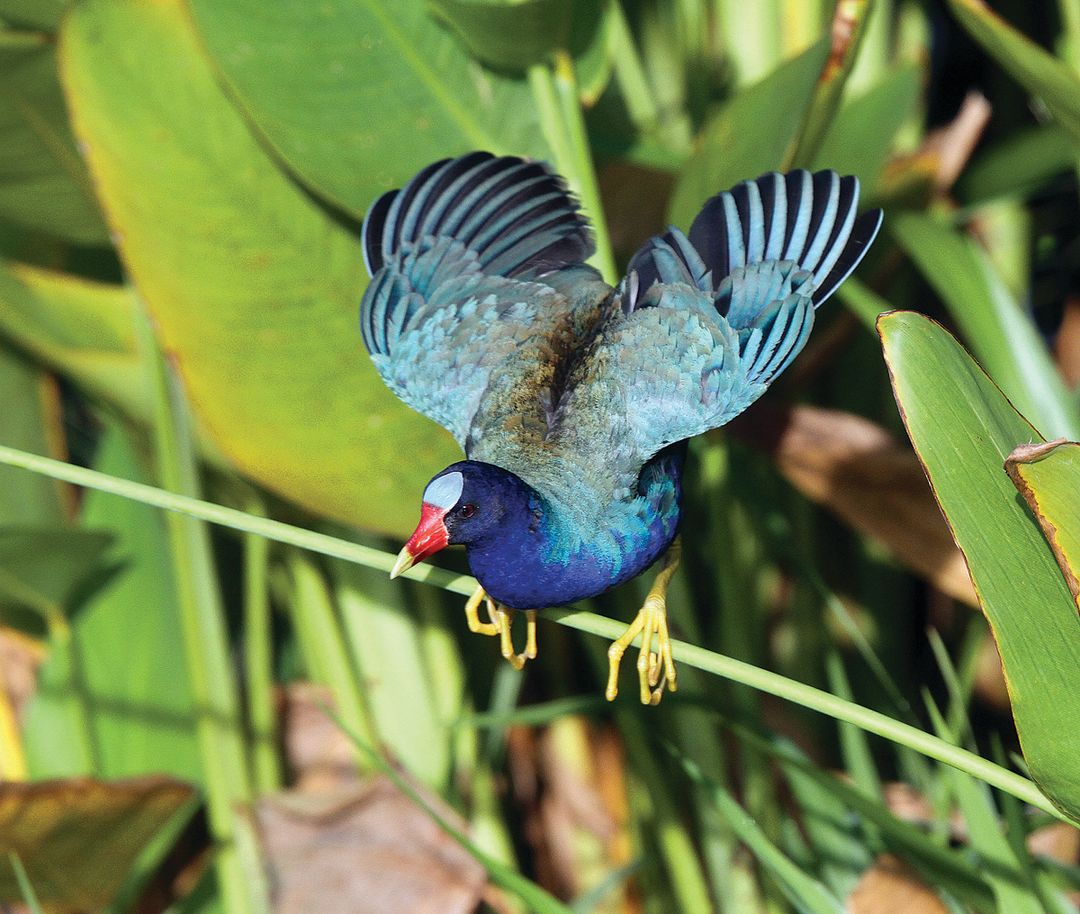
x=963 y=428
x=254 y=287
x=77 y=838
x=1048 y=476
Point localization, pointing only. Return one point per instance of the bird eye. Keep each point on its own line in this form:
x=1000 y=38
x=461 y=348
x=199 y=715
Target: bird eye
x=468 y=510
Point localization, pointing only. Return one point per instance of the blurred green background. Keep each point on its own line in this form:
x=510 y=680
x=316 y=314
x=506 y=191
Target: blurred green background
x=197 y=718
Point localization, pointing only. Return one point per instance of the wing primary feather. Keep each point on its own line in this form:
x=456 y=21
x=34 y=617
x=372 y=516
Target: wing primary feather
x=799 y=190
x=371 y=236
x=841 y=230
x=822 y=217
x=862 y=236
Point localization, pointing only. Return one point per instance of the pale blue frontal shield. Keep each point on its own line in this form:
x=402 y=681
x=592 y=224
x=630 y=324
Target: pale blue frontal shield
x=445 y=491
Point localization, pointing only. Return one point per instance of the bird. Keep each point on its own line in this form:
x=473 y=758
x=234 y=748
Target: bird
x=573 y=400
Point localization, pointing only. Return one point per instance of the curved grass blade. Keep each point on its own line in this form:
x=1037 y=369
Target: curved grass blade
x=691 y=655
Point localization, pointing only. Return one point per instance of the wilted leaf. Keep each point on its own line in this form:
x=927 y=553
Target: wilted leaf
x=751 y=134
x=368 y=850
x=891 y=886
x=258 y=306
x=1048 y=477
x=1067 y=345
x=374 y=91
x=43 y=182
x=78 y=838
x=320 y=755
x=963 y=428
x=859 y=471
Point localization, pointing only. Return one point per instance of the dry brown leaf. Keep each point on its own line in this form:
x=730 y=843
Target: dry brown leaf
x=78 y=837
x=319 y=755
x=1067 y=344
x=863 y=474
x=891 y=887
x=20 y=657
x=1059 y=841
x=365 y=850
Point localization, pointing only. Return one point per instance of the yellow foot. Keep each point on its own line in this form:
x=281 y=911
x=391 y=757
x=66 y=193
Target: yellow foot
x=499 y=621
x=656 y=669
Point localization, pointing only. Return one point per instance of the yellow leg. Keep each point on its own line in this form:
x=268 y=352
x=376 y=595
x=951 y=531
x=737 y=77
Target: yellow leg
x=472 y=613
x=656 y=669
x=499 y=621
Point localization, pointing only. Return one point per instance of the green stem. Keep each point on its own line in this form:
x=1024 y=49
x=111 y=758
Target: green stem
x=555 y=90
x=630 y=74
x=258 y=657
x=206 y=648
x=689 y=654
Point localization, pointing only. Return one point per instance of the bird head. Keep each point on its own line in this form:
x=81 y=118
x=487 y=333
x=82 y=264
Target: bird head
x=466 y=504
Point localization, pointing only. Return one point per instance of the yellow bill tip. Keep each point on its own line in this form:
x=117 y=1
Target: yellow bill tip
x=405 y=561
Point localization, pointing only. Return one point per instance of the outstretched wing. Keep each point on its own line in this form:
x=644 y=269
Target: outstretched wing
x=465 y=262
x=708 y=321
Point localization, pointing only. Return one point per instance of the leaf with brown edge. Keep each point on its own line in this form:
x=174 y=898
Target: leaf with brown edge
x=963 y=428
x=861 y=473
x=78 y=838
x=1048 y=477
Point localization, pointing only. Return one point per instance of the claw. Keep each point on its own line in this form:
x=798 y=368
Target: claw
x=656 y=668
x=499 y=622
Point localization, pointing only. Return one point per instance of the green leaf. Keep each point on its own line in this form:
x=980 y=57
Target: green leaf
x=1017 y=165
x=78 y=327
x=861 y=136
x=258 y=307
x=1035 y=69
x=33 y=14
x=43 y=182
x=41 y=567
x=78 y=838
x=848 y=27
x=963 y=428
x=375 y=91
x=132 y=689
x=1048 y=477
x=31 y=416
x=513 y=35
x=1002 y=337
x=751 y=134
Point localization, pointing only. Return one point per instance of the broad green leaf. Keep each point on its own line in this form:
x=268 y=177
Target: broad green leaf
x=31 y=413
x=43 y=182
x=862 y=133
x=1048 y=477
x=42 y=567
x=375 y=91
x=848 y=26
x=963 y=429
x=77 y=838
x=751 y=134
x=1002 y=337
x=132 y=689
x=33 y=14
x=513 y=35
x=258 y=305
x=80 y=328
x=1035 y=69
x=1020 y=163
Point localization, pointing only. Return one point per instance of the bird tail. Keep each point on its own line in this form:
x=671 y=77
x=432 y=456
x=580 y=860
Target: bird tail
x=776 y=236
